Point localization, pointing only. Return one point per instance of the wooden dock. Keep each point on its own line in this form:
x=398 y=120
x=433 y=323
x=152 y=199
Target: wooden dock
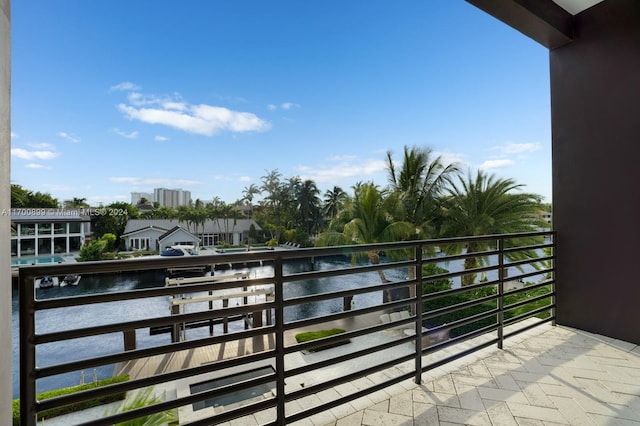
x=147 y=367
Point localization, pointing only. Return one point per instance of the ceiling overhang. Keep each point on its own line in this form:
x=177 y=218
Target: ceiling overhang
x=549 y=22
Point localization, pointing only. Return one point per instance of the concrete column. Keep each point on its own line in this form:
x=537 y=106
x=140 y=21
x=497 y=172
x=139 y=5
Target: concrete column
x=5 y=206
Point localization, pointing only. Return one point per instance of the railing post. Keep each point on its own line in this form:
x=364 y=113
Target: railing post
x=27 y=350
x=418 y=312
x=279 y=330
x=553 y=279
x=500 y=292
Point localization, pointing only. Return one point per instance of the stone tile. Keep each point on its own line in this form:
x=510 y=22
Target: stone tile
x=354 y=419
x=469 y=398
x=500 y=415
x=462 y=416
x=380 y=406
x=437 y=398
x=573 y=412
x=425 y=414
x=444 y=384
x=378 y=418
x=322 y=419
x=536 y=413
x=536 y=395
x=502 y=395
x=401 y=404
x=523 y=421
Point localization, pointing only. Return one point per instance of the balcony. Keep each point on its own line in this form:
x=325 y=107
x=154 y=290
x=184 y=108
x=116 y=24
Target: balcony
x=398 y=334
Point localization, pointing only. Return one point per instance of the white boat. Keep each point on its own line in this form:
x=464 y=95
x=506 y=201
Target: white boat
x=70 y=280
x=47 y=282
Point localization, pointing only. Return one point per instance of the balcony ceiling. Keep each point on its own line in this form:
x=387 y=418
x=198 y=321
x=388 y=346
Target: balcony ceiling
x=576 y=6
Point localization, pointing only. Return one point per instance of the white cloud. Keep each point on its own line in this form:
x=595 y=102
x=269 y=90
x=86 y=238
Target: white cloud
x=69 y=137
x=496 y=164
x=14 y=135
x=340 y=171
x=161 y=138
x=42 y=146
x=36 y=166
x=517 y=148
x=289 y=105
x=154 y=182
x=450 y=158
x=32 y=155
x=245 y=179
x=131 y=135
x=284 y=105
x=124 y=86
x=200 y=119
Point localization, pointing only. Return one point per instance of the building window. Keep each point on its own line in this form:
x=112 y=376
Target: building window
x=75 y=243
x=44 y=229
x=44 y=246
x=60 y=228
x=60 y=245
x=27 y=229
x=74 y=227
x=28 y=247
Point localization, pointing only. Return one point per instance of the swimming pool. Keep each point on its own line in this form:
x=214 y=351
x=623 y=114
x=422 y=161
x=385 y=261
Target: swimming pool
x=17 y=261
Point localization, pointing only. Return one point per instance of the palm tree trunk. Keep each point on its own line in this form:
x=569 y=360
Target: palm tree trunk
x=469 y=263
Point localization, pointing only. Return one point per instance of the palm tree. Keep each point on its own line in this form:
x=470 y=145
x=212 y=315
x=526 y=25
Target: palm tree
x=371 y=223
x=248 y=194
x=418 y=183
x=487 y=205
x=308 y=203
x=334 y=201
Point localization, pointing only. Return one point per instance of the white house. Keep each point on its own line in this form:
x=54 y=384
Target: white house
x=46 y=232
x=158 y=234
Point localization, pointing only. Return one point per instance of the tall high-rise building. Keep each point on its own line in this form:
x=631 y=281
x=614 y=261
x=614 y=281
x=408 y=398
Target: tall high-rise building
x=171 y=197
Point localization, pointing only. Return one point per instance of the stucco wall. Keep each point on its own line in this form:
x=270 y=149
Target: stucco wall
x=595 y=96
x=5 y=205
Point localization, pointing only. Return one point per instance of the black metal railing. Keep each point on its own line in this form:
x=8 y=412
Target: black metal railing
x=410 y=306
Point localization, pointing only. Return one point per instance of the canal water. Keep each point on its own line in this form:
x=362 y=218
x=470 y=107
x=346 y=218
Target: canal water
x=75 y=317
x=85 y=316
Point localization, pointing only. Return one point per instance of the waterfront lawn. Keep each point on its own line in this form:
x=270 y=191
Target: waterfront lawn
x=73 y=407
x=308 y=336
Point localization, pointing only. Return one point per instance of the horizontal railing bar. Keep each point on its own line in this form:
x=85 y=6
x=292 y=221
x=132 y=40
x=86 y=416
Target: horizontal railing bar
x=528 y=261
x=528 y=314
x=461 y=289
x=346 y=314
x=528 y=327
x=349 y=356
x=87 y=363
x=63 y=302
x=527 y=301
x=533 y=247
x=450 y=257
x=458 y=306
x=529 y=287
x=161 y=378
x=354 y=270
x=148 y=323
x=298 y=300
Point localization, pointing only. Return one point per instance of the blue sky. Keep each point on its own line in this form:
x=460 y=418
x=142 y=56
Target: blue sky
x=112 y=97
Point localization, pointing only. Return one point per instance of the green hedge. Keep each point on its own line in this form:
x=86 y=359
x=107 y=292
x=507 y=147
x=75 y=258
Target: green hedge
x=79 y=406
x=319 y=334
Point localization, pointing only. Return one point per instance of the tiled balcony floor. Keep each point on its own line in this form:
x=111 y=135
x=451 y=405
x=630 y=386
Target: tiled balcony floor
x=547 y=376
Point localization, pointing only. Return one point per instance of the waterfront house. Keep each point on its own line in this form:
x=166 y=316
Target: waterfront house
x=158 y=234
x=47 y=232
